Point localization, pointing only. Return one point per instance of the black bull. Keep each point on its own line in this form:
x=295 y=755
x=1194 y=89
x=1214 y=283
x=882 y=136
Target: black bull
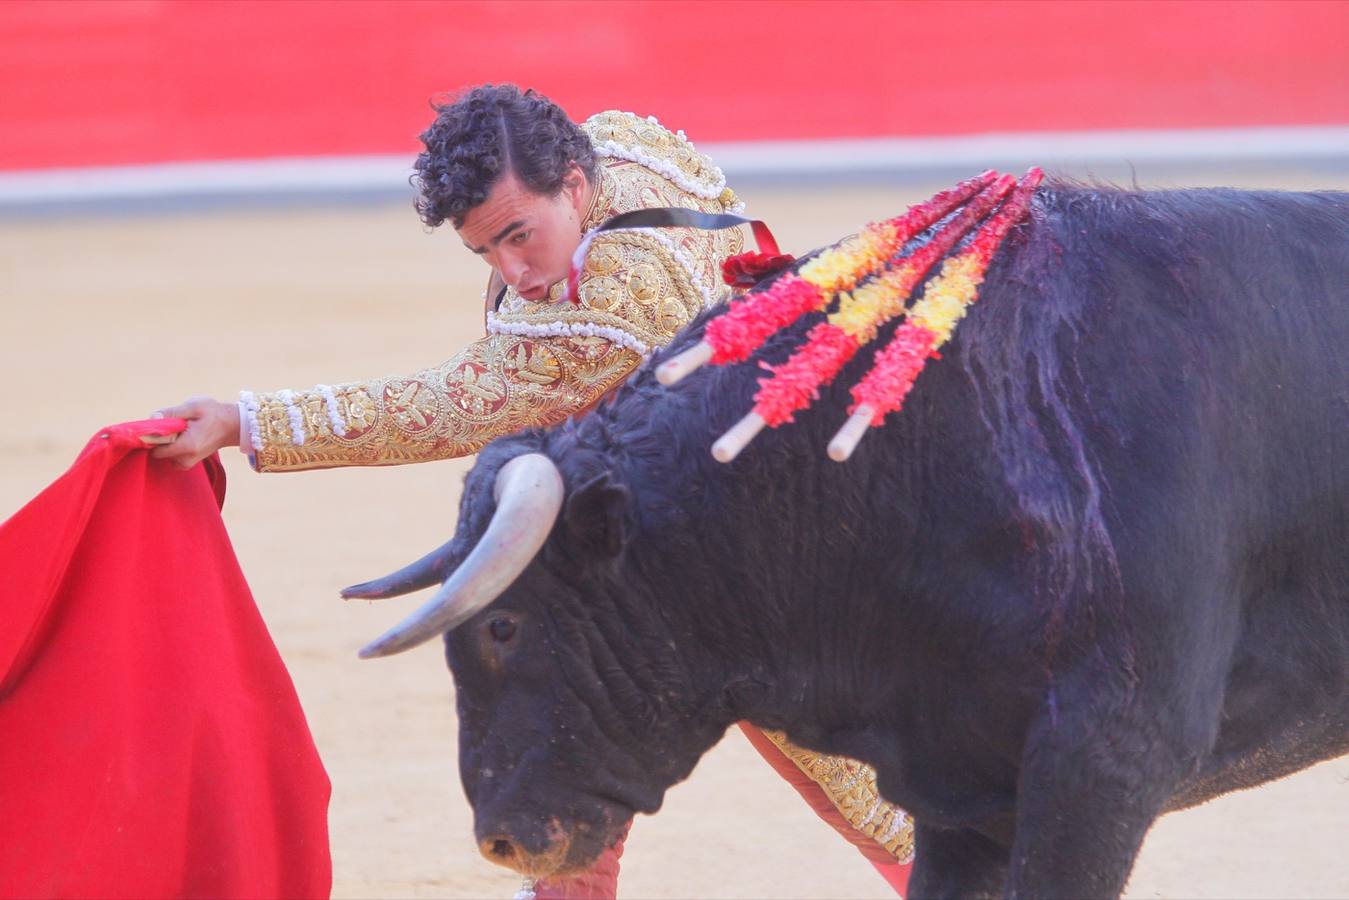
x=1096 y=570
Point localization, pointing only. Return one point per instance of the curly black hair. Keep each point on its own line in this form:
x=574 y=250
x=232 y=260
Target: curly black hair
x=484 y=133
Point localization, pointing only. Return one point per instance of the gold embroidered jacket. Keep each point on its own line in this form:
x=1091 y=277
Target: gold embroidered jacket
x=540 y=362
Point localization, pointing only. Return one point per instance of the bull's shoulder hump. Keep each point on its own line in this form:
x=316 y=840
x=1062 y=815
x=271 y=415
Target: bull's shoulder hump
x=644 y=141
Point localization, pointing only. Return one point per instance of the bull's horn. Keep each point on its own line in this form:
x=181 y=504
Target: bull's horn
x=425 y=572
x=529 y=494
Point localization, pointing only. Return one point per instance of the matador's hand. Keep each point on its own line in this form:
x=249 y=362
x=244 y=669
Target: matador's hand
x=211 y=425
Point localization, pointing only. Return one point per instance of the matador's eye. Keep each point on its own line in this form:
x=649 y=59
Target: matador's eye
x=502 y=629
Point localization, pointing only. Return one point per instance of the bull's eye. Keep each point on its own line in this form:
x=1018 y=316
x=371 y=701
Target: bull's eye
x=502 y=629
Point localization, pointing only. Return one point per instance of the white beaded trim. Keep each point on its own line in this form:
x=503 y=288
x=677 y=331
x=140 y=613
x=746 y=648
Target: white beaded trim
x=249 y=404
x=896 y=826
x=566 y=329
x=578 y=257
x=330 y=404
x=665 y=169
x=876 y=806
x=295 y=416
x=681 y=260
x=654 y=121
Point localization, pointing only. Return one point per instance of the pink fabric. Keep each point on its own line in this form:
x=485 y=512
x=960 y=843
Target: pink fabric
x=895 y=873
x=600 y=882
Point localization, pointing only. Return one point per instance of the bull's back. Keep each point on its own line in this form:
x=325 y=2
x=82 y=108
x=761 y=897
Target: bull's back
x=1216 y=402
x=1212 y=331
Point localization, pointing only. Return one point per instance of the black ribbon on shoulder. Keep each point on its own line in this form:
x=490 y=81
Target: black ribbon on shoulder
x=669 y=217
x=678 y=217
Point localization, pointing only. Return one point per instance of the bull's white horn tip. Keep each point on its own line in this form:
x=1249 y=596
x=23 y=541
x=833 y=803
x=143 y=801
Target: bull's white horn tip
x=381 y=646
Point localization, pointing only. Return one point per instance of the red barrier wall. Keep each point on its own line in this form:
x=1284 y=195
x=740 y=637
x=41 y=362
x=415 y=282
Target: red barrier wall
x=131 y=81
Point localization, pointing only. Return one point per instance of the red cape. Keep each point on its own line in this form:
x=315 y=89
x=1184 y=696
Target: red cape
x=151 y=742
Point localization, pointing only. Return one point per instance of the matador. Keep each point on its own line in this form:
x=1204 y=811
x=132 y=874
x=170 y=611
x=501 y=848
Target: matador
x=544 y=358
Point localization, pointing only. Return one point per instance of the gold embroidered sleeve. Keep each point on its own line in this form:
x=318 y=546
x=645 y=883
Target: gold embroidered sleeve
x=539 y=364
x=494 y=386
x=851 y=787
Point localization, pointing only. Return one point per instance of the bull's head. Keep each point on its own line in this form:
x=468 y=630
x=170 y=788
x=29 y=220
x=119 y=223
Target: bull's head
x=576 y=708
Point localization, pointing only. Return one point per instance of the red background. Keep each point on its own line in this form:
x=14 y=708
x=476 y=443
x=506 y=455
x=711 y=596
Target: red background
x=133 y=81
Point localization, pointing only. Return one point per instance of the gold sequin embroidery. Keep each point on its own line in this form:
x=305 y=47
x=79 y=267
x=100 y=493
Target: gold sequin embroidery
x=851 y=786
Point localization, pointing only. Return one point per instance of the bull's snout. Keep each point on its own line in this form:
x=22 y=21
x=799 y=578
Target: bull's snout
x=535 y=859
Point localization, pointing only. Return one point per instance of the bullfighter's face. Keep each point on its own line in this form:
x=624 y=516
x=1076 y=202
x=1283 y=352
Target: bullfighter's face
x=528 y=238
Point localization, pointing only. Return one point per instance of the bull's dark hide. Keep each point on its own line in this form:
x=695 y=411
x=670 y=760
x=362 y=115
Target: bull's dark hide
x=1097 y=569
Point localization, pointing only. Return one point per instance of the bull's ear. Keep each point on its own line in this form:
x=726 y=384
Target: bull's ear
x=595 y=516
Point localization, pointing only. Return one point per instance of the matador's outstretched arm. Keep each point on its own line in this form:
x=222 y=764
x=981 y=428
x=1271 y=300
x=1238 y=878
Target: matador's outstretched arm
x=538 y=364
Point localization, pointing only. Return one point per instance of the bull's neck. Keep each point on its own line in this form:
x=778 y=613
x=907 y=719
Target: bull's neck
x=726 y=628
x=789 y=583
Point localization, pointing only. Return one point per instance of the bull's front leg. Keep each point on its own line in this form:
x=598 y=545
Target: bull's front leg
x=955 y=862
x=1090 y=787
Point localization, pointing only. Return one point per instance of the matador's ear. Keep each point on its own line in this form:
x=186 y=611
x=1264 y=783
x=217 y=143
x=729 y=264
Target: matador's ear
x=595 y=517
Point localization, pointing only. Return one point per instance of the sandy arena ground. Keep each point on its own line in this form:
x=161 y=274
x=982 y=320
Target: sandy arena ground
x=104 y=318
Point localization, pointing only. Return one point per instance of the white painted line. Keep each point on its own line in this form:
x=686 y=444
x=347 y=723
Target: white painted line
x=1065 y=152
